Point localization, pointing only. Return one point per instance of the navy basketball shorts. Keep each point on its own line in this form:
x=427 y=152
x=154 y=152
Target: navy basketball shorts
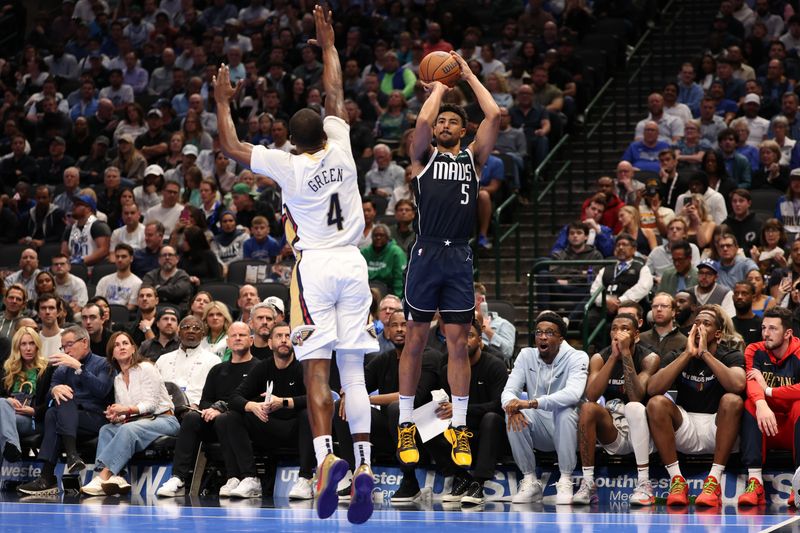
x=439 y=278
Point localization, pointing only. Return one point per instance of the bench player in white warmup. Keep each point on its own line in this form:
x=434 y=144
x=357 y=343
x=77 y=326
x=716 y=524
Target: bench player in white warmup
x=330 y=289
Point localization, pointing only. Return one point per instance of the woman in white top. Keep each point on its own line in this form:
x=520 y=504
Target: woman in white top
x=217 y=319
x=142 y=411
x=133 y=123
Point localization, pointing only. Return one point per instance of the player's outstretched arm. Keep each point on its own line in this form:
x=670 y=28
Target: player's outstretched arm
x=223 y=93
x=423 y=131
x=486 y=136
x=331 y=67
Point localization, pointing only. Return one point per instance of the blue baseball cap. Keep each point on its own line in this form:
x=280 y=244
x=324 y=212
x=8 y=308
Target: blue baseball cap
x=86 y=200
x=709 y=263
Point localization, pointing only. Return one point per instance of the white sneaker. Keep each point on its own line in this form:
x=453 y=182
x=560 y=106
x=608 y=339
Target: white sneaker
x=564 y=491
x=301 y=490
x=796 y=486
x=643 y=494
x=587 y=493
x=249 y=487
x=94 y=487
x=171 y=488
x=225 y=490
x=529 y=490
x=116 y=485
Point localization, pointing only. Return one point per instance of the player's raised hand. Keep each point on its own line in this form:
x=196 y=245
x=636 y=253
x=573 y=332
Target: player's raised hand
x=465 y=70
x=432 y=86
x=323 y=20
x=223 y=90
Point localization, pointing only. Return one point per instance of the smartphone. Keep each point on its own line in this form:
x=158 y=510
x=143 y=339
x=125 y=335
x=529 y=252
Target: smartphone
x=687 y=200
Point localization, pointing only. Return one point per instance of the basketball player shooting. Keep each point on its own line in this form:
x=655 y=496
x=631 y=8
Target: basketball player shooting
x=330 y=289
x=439 y=275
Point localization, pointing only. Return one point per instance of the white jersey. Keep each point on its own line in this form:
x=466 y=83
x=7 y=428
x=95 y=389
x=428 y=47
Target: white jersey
x=321 y=201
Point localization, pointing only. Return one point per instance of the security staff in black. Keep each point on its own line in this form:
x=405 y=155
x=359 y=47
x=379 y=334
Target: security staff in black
x=439 y=274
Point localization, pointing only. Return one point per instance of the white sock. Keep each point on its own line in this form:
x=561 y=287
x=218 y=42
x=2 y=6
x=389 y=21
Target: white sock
x=460 y=404
x=716 y=471
x=588 y=474
x=531 y=478
x=363 y=453
x=643 y=473
x=406 y=408
x=674 y=470
x=756 y=473
x=566 y=476
x=323 y=445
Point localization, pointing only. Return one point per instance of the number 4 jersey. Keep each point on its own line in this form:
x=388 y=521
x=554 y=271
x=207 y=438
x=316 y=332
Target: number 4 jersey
x=321 y=201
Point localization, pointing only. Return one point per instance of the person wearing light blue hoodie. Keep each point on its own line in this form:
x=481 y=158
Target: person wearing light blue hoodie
x=554 y=374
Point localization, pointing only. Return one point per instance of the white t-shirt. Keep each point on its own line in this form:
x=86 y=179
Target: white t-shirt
x=187 y=369
x=166 y=215
x=51 y=345
x=121 y=235
x=74 y=290
x=320 y=191
x=119 y=291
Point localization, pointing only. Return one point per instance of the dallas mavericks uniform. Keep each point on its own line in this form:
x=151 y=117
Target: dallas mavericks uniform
x=324 y=222
x=439 y=275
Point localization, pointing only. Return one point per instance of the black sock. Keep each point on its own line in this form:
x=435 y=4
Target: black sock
x=48 y=470
x=69 y=444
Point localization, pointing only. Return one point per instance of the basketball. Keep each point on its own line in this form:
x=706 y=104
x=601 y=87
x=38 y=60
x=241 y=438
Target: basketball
x=441 y=67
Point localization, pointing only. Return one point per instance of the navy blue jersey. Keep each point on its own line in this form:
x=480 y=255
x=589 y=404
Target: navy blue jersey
x=447 y=196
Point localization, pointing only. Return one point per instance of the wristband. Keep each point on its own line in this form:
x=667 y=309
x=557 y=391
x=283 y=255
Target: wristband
x=768 y=391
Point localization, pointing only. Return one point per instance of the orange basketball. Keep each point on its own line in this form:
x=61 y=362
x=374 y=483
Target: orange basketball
x=441 y=67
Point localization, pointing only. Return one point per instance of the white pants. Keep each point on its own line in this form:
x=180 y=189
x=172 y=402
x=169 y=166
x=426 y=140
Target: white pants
x=546 y=431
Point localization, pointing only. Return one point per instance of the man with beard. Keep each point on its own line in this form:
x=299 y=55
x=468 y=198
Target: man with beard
x=705 y=418
x=273 y=420
x=44 y=222
x=144 y=326
x=554 y=374
x=188 y=366
x=167 y=339
x=686 y=302
x=771 y=409
x=146 y=259
x=747 y=324
x=620 y=374
x=708 y=291
x=262 y=319
x=172 y=283
x=15 y=300
x=197 y=426
x=681 y=274
x=86 y=241
x=26 y=275
x=664 y=337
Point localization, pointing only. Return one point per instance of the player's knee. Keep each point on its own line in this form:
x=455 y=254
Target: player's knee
x=658 y=406
x=731 y=405
x=588 y=411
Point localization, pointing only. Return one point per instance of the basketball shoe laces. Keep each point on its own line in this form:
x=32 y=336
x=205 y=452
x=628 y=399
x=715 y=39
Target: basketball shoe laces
x=462 y=440
x=751 y=486
x=710 y=486
x=407 y=438
x=678 y=487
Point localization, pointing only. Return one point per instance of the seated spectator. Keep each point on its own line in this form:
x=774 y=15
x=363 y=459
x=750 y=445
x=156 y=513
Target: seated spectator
x=548 y=420
x=733 y=267
x=599 y=236
x=167 y=339
x=770 y=388
x=742 y=222
x=248 y=298
x=492 y=177
x=386 y=261
x=46 y=308
x=771 y=253
x=146 y=259
x=653 y=215
x=188 y=366
x=261 y=245
x=94 y=316
x=664 y=337
x=277 y=420
x=153 y=144
x=197 y=259
x=784 y=209
x=80 y=389
x=770 y=172
x=761 y=302
x=69 y=287
x=26 y=275
x=643 y=154
x=388 y=305
x=52 y=167
x=511 y=142
x=780 y=131
x=758 y=127
x=402 y=232
x=737 y=166
x=87 y=238
x=689 y=92
x=691 y=148
x=563 y=287
x=742 y=130
x=710 y=123
x=610 y=214
x=132 y=123
x=43 y=223
x=172 y=283
x=619 y=373
x=142 y=412
x=196 y=427
x=368 y=208
x=628 y=189
x=228 y=244
x=382 y=179
x=120 y=94
x=395 y=119
x=673 y=107
x=122 y=287
x=672 y=184
x=630 y=223
x=217 y=319
x=713 y=200
x=708 y=291
x=132 y=231
x=497 y=333
x=148 y=194
x=682 y=273
x=19 y=166
x=711 y=413
x=15 y=302
x=670 y=127
x=533 y=120
x=746 y=322
x=248 y=207
x=168 y=212
x=723 y=106
x=24 y=391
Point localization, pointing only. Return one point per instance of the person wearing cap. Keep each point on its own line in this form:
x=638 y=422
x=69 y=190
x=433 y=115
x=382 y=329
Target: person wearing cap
x=234 y=38
x=166 y=339
x=129 y=160
x=784 y=208
x=169 y=210
x=279 y=306
x=189 y=155
x=758 y=125
x=87 y=239
x=554 y=375
x=153 y=144
x=51 y=168
x=93 y=164
x=708 y=291
x=670 y=127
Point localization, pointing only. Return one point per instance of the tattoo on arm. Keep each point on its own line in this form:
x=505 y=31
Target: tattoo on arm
x=632 y=385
